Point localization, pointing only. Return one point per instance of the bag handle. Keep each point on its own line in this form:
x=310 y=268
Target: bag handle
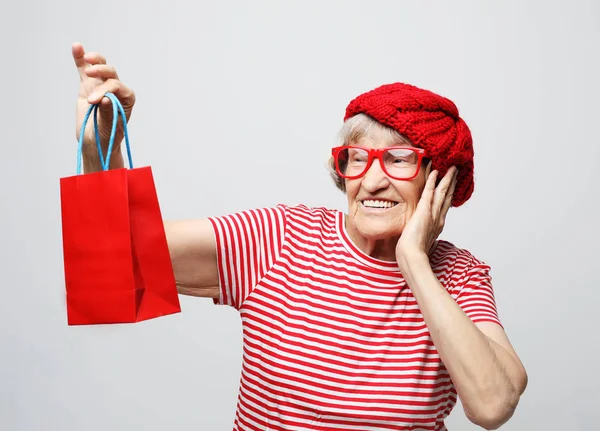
x=117 y=109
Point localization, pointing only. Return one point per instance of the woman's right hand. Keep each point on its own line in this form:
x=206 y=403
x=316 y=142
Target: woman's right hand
x=96 y=78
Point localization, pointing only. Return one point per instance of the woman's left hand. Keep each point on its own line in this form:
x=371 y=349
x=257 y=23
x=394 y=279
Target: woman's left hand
x=426 y=224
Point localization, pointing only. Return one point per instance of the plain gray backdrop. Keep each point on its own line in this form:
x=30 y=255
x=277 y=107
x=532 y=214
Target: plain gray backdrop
x=238 y=105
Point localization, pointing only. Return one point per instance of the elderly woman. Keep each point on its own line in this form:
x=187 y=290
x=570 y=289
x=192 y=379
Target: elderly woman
x=358 y=320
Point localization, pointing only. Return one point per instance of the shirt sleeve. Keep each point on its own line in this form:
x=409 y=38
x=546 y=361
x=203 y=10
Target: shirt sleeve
x=248 y=243
x=475 y=294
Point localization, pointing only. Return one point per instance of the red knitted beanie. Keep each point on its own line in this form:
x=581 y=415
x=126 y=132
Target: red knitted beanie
x=430 y=122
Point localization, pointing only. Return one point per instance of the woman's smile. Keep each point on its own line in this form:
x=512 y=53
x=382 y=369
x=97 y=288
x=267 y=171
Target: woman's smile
x=375 y=206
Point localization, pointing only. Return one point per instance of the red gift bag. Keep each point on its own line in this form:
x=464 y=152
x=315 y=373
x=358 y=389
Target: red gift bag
x=116 y=259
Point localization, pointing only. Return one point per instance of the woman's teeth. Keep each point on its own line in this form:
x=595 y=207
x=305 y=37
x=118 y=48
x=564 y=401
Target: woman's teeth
x=379 y=204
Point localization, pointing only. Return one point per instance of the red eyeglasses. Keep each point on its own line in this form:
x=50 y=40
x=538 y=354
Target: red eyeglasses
x=399 y=163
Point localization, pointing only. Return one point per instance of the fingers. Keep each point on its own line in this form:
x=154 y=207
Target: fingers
x=78 y=52
x=98 y=78
x=93 y=65
x=449 y=196
x=443 y=191
x=94 y=58
x=90 y=62
x=78 y=56
x=123 y=93
x=431 y=179
x=429 y=190
x=102 y=71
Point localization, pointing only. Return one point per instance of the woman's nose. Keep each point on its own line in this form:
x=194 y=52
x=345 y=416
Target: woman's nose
x=375 y=178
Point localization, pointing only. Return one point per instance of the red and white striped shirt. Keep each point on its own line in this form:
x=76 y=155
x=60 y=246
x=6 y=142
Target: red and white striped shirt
x=332 y=338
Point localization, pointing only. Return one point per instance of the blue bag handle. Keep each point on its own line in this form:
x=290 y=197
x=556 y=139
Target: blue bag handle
x=117 y=109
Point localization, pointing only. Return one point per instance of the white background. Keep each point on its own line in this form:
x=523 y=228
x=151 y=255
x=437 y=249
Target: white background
x=238 y=106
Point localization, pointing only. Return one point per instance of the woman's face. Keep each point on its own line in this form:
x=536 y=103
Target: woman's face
x=379 y=206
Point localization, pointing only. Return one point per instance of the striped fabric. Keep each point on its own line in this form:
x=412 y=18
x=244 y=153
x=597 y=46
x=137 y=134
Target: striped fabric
x=332 y=338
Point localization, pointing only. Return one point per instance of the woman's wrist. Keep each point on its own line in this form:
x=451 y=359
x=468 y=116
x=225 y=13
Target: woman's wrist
x=415 y=266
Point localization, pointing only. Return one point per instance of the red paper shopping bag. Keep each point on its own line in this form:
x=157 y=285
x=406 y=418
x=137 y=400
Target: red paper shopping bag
x=116 y=259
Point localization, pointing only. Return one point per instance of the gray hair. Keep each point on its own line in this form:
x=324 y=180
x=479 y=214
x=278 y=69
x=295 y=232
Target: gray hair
x=355 y=128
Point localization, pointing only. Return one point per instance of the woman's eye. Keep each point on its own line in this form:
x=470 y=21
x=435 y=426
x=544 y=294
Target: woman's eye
x=358 y=157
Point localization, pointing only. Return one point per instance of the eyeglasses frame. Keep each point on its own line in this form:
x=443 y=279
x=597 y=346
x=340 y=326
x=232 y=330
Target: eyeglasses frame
x=376 y=153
